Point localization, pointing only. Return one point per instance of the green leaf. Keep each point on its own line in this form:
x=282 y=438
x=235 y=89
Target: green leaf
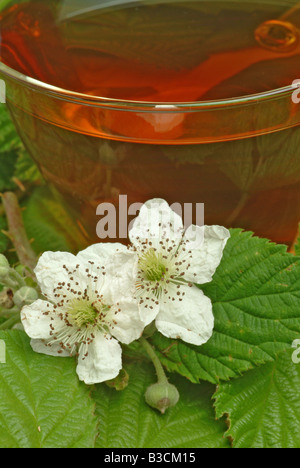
x=25 y=169
x=9 y=146
x=126 y=421
x=9 y=138
x=297 y=245
x=3 y=238
x=256 y=301
x=42 y=402
x=4 y=4
x=7 y=164
x=263 y=407
x=14 y=160
x=49 y=224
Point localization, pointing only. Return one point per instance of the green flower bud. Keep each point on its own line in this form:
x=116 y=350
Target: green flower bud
x=4 y=266
x=25 y=296
x=162 y=396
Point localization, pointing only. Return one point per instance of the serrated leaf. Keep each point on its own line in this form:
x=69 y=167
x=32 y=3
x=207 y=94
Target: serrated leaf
x=49 y=224
x=42 y=402
x=126 y=421
x=256 y=301
x=263 y=407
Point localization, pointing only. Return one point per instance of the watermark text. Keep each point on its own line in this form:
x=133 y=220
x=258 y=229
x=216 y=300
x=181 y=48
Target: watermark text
x=296 y=354
x=115 y=220
x=2 y=352
x=2 y=92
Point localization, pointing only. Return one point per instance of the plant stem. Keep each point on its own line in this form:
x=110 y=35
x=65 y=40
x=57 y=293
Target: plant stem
x=17 y=232
x=161 y=376
x=10 y=322
x=8 y=312
x=15 y=277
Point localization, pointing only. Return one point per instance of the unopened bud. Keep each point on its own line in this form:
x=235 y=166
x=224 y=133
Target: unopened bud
x=25 y=296
x=162 y=396
x=4 y=266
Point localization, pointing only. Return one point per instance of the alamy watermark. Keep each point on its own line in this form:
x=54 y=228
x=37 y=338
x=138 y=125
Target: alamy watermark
x=2 y=352
x=2 y=92
x=296 y=93
x=296 y=354
x=114 y=222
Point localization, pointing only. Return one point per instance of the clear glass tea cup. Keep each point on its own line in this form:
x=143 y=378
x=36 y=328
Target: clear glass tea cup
x=240 y=155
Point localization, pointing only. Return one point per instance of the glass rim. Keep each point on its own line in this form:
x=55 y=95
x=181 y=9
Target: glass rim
x=143 y=106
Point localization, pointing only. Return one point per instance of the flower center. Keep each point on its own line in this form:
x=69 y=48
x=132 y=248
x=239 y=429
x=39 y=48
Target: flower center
x=83 y=313
x=152 y=265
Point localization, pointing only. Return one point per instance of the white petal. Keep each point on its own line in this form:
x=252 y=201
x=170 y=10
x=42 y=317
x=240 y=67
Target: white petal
x=206 y=255
x=43 y=347
x=116 y=266
x=37 y=318
x=156 y=221
x=149 y=307
x=104 y=360
x=190 y=320
x=101 y=252
x=50 y=272
x=127 y=325
x=121 y=274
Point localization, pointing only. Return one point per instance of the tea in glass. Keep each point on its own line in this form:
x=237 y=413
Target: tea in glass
x=190 y=101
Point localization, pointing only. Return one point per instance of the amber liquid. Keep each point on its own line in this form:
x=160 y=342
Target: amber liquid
x=158 y=52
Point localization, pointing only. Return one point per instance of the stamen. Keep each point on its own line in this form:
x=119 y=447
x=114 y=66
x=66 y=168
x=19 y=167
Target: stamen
x=162 y=268
x=152 y=265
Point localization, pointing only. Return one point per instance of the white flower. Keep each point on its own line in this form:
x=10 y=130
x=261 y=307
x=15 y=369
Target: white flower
x=89 y=309
x=171 y=262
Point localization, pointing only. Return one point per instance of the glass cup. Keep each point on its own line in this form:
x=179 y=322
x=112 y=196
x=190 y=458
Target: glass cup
x=240 y=156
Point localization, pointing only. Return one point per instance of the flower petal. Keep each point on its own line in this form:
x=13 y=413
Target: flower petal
x=155 y=222
x=126 y=323
x=149 y=307
x=117 y=264
x=103 y=362
x=38 y=319
x=191 y=319
x=43 y=347
x=55 y=268
x=123 y=272
x=206 y=255
x=101 y=252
